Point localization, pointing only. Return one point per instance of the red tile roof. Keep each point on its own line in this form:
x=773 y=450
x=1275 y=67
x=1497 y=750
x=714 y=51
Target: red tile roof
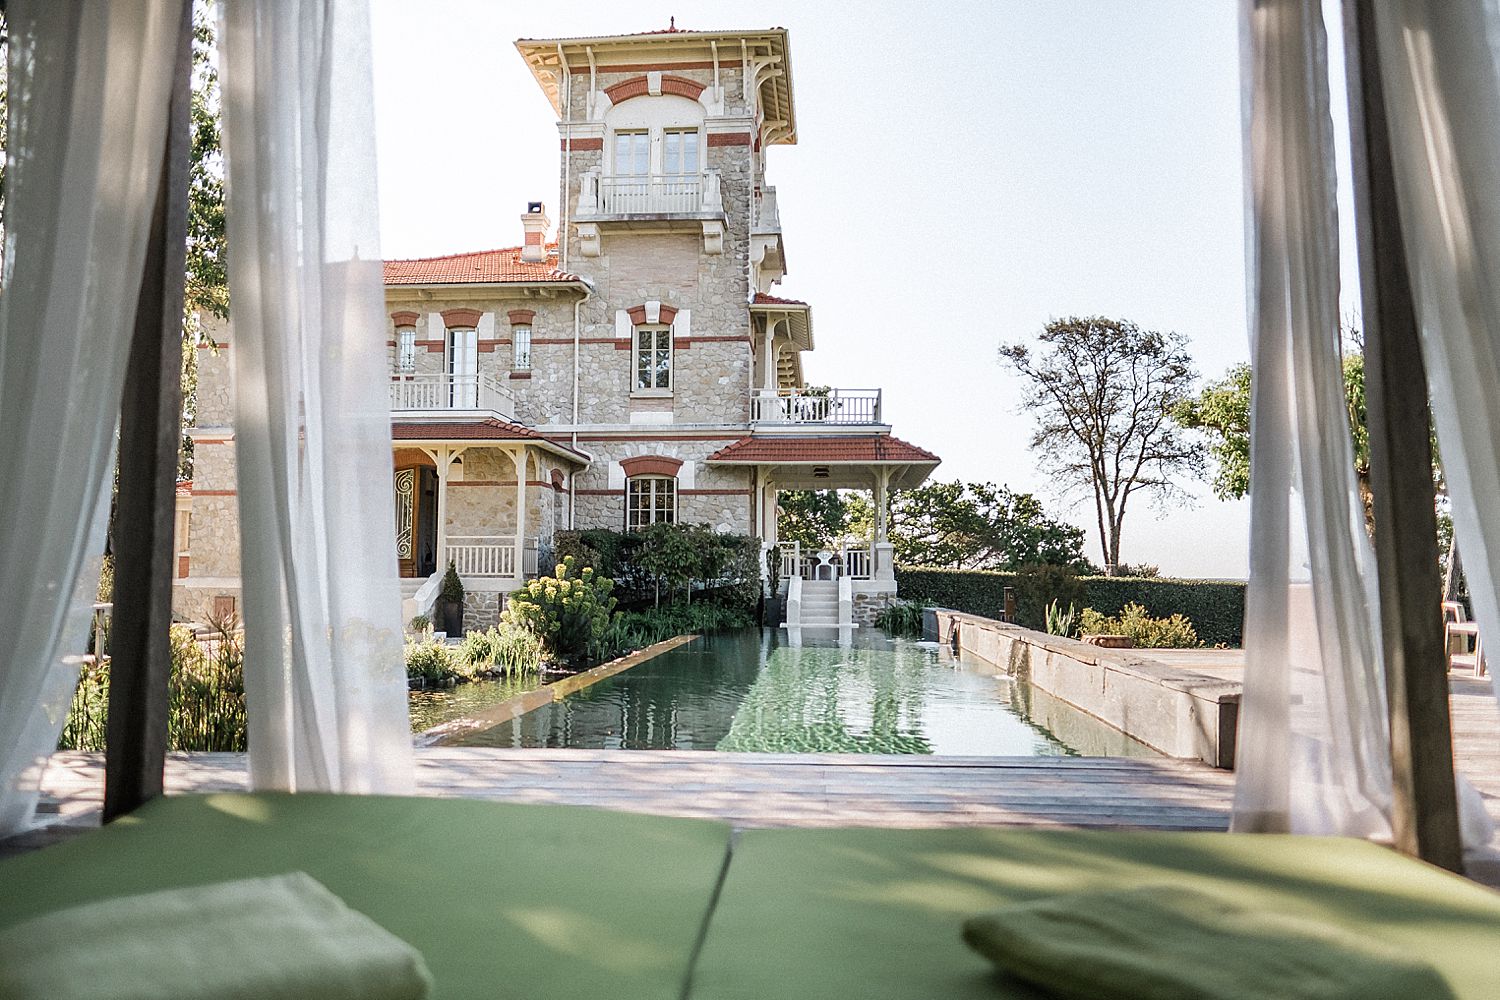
x=864 y=449
x=184 y=487
x=479 y=430
x=762 y=299
x=480 y=267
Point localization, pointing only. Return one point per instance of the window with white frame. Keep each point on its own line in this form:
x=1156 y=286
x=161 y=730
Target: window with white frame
x=463 y=369
x=632 y=153
x=680 y=152
x=650 y=500
x=520 y=338
x=653 y=357
x=406 y=348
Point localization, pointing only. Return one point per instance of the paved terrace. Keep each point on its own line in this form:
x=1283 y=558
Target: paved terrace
x=751 y=790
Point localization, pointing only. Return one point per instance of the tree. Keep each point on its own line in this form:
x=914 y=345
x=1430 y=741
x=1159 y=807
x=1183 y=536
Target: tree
x=1103 y=392
x=813 y=517
x=973 y=526
x=1221 y=412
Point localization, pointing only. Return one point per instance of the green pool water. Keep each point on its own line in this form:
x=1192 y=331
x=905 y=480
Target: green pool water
x=762 y=690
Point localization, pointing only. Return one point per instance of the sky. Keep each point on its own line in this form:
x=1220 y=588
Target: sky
x=964 y=172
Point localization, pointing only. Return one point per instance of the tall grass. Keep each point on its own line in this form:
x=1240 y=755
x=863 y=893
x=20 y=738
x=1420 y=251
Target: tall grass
x=206 y=696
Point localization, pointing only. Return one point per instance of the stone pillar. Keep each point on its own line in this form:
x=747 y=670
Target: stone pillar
x=518 y=457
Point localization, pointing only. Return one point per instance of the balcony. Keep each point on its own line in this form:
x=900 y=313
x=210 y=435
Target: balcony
x=672 y=201
x=804 y=407
x=450 y=396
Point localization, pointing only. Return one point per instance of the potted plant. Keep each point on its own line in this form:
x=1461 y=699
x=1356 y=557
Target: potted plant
x=450 y=603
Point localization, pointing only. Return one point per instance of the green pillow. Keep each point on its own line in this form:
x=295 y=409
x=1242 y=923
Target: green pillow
x=1167 y=943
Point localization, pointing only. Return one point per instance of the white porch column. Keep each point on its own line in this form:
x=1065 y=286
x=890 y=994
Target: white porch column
x=882 y=552
x=518 y=457
x=770 y=372
x=442 y=456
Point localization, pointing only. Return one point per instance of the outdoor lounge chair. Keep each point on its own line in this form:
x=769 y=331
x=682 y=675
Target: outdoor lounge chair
x=1458 y=634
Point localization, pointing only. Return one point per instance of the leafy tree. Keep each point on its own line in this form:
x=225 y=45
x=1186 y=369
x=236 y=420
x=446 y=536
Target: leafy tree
x=1103 y=392
x=813 y=517
x=972 y=526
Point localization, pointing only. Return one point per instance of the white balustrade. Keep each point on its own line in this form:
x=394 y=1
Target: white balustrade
x=439 y=391
x=652 y=194
x=857 y=562
x=483 y=555
x=791 y=559
x=820 y=406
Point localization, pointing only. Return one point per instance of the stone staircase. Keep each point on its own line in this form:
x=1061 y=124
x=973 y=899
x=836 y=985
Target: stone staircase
x=820 y=602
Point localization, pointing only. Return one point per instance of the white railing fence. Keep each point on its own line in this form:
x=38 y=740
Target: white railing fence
x=438 y=391
x=853 y=561
x=483 y=555
x=857 y=562
x=648 y=194
x=791 y=559
x=819 y=406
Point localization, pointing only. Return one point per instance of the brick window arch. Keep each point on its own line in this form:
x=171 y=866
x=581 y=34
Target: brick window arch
x=640 y=86
x=651 y=465
x=640 y=315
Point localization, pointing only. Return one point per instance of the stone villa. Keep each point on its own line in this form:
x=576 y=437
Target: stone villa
x=635 y=368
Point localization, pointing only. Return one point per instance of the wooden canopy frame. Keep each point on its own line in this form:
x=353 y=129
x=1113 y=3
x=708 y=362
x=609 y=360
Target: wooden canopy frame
x=1425 y=820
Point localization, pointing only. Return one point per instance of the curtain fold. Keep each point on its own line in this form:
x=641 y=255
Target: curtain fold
x=1314 y=749
x=325 y=683
x=1442 y=93
x=89 y=84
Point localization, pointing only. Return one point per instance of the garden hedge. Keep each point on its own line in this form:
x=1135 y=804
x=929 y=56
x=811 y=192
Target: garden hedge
x=1216 y=608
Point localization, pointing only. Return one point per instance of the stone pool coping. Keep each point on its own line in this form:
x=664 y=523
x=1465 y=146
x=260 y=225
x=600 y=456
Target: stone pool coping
x=447 y=733
x=1174 y=710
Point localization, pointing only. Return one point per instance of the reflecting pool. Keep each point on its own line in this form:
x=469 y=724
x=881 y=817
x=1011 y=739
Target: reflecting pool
x=764 y=690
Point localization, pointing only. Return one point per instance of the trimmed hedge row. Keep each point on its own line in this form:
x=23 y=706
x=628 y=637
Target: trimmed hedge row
x=1216 y=609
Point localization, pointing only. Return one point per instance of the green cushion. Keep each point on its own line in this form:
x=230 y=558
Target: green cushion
x=879 y=913
x=502 y=900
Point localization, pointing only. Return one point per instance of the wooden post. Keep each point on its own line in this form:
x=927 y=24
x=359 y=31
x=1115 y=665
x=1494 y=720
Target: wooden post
x=146 y=506
x=1425 y=815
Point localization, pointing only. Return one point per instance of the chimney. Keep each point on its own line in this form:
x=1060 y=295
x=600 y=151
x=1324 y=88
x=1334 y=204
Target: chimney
x=535 y=223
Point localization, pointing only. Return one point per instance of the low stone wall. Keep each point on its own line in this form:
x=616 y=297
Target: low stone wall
x=482 y=609
x=1177 y=712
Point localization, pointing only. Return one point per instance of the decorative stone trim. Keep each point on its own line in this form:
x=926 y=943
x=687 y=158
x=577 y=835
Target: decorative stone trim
x=557 y=480
x=642 y=313
x=521 y=317
x=462 y=319
x=405 y=318
x=651 y=465
x=640 y=86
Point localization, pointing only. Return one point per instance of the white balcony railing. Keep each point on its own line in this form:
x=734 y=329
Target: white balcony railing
x=412 y=391
x=483 y=555
x=852 y=560
x=816 y=406
x=649 y=194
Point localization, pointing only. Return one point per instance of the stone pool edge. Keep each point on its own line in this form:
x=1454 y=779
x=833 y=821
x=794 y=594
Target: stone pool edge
x=446 y=733
x=1175 y=711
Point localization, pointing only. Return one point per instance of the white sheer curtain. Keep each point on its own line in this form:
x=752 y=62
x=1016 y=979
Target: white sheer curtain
x=1442 y=91
x=1313 y=753
x=325 y=684
x=1314 y=746
x=88 y=90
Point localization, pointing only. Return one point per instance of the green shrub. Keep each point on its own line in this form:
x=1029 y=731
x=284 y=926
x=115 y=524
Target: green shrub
x=901 y=618
x=1174 y=632
x=419 y=624
x=205 y=697
x=632 y=630
x=670 y=559
x=1216 y=608
x=568 y=613
x=1060 y=622
x=453 y=587
x=505 y=649
x=432 y=662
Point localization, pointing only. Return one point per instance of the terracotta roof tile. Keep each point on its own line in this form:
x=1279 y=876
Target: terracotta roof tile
x=184 y=487
x=479 y=430
x=483 y=266
x=865 y=448
x=762 y=299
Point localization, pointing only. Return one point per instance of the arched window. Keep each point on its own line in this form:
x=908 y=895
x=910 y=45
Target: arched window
x=650 y=500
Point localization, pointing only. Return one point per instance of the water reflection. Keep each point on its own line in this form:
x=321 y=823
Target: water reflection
x=766 y=690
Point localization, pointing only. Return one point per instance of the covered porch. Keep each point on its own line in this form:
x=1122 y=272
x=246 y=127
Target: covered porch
x=485 y=496
x=858 y=572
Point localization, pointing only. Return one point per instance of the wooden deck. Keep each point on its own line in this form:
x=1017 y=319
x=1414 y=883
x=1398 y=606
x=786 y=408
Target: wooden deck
x=751 y=790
